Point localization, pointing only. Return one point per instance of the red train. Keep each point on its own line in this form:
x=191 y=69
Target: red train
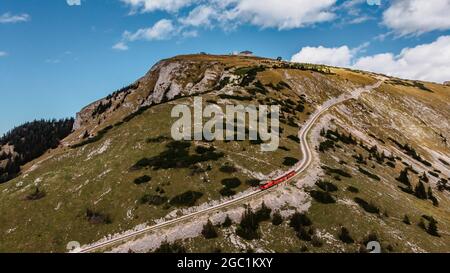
x=275 y=182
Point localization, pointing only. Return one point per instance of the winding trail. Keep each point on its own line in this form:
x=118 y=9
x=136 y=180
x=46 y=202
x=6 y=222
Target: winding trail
x=300 y=168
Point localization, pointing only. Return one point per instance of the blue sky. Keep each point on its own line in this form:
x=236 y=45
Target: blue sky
x=57 y=56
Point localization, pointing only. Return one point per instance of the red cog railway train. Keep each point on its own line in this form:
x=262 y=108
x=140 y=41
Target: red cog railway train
x=277 y=181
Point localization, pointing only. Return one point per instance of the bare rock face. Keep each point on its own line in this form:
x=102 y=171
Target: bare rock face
x=172 y=79
x=167 y=80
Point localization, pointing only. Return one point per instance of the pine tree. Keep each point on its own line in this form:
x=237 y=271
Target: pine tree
x=424 y=178
x=430 y=193
x=322 y=132
x=277 y=219
x=248 y=227
x=263 y=214
x=209 y=231
x=422 y=225
x=299 y=220
x=406 y=220
x=420 y=191
x=227 y=223
x=432 y=228
x=392 y=158
x=30 y=141
x=432 y=197
x=403 y=178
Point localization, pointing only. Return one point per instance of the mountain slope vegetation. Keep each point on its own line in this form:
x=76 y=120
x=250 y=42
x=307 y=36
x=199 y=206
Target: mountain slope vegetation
x=29 y=141
x=120 y=168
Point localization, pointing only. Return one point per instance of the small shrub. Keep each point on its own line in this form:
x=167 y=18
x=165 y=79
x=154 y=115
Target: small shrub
x=390 y=164
x=228 y=169
x=330 y=171
x=369 y=174
x=188 y=198
x=227 y=222
x=99 y=136
x=175 y=248
x=327 y=186
x=157 y=139
x=353 y=189
x=225 y=191
x=422 y=225
x=155 y=200
x=290 y=161
x=294 y=138
x=345 y=237
x=231 y=183
x=326 y=145
x=142 y=180
x=253 y=182
x=322 y=197
x=177 y=155
x=316 y=241
x=370 y=208
x=35 y=195
x=97 y=218
x=299 y=220
x=303 y=234
x=406 y=220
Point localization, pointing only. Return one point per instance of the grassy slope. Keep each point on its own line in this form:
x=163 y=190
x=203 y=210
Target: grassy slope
x=393 y=203
x=104 y=183
x=74 y=181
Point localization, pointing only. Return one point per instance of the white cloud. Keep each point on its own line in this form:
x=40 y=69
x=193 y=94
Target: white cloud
x=8 y=18
x=121 y=46
x=280 y=14
x=73 y=2
x=227 y=14
x=264 y=13
x=189 y=34
x=337 y=56
x=153 y=5
x=200 y=16
x=417 y=63
x=407 y=17
x=162 y=30
x=430 y=62
x=3 y=54
x=360 y=19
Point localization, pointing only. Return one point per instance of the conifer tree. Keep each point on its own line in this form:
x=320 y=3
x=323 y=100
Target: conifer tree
x=277 y=219
x=420 y=191
x=406 y=220
x=209 y=231
x=227 y=222
x=432 y=228
x=403 y=178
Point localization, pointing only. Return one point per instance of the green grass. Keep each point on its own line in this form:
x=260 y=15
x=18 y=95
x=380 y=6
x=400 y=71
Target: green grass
x=105 y=184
